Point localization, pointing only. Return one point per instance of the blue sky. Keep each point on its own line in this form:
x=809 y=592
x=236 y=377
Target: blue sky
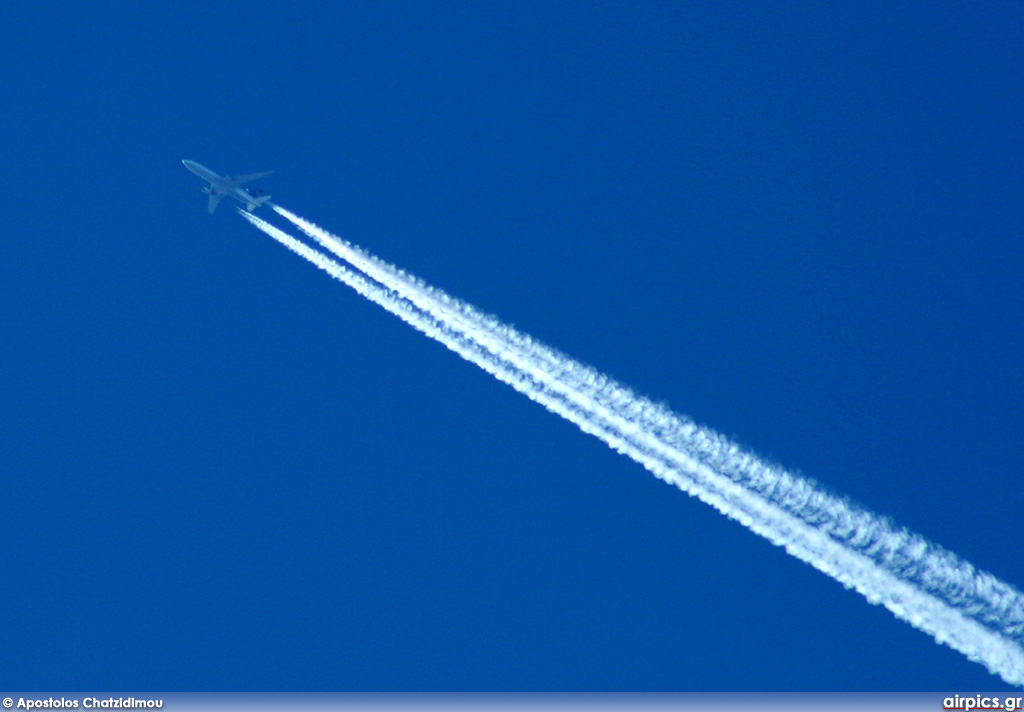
x=224 y=471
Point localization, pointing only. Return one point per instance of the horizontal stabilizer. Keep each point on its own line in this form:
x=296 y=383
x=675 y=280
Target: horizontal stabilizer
x=256 y=202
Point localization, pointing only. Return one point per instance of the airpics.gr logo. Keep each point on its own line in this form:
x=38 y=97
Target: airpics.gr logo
x=956 y=702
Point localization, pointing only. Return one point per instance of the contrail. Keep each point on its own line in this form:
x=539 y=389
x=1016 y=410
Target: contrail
x=929 y=587
x=393 y=302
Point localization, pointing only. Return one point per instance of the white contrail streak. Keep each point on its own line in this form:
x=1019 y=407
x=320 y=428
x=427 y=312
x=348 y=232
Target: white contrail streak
x=929 y=587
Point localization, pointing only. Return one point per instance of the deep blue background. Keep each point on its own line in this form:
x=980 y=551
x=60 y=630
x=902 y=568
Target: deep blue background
x=221 y=470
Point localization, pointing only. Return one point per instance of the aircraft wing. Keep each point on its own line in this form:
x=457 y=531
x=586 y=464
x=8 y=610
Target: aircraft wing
x=252 y=176
x=214 y=199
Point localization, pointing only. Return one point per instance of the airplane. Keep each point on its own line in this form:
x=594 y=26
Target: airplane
x=226 y=185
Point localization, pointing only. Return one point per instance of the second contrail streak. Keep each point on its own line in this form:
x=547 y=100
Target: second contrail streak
x=929 y=587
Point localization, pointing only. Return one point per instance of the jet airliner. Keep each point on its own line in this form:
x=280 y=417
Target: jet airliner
x=226 y=185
